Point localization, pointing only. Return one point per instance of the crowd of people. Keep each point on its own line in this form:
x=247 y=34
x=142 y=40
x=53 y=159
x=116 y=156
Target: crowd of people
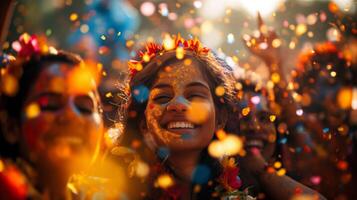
x=191 y=128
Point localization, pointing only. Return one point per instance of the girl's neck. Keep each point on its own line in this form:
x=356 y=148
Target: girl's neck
x=54 y=185
x=184 y=163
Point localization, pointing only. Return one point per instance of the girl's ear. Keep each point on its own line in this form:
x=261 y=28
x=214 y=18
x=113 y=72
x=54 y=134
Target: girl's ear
x=222 y=118
x=11 y=130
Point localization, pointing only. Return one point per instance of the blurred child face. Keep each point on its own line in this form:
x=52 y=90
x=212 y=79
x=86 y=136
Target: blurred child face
x=169 y=122
x=259 y=131
x=60 y=126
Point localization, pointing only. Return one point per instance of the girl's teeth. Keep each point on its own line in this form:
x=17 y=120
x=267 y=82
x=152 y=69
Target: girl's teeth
x=180 y=125
x=257 y=143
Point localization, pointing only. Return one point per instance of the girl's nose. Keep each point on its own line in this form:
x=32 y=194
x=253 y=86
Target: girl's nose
x=178 y=105
x=69 y=110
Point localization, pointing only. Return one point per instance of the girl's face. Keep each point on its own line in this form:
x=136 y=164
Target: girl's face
x=169 y=113
x=61 y=127
x=259 y=131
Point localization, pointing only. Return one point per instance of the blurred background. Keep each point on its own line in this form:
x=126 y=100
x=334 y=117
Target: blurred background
x=110 y=31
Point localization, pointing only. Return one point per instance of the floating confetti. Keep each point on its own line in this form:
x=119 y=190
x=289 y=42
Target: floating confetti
x=344 y=98
x=73 y=17
x=180 y=53
x=142 y=169
x=147 y=8
x=230 y=145
x=220 y=91
x=230 y=38
x=198 y=112
x=165 y=181
x=281 y=172
x=32 y=110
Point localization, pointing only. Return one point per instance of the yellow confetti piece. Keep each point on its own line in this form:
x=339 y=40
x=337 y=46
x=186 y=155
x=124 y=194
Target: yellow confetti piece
x=187 y=62
x=276 y=43
x=197 y=189
x=300 y=29
x=245 y=111
x=103 y=37
x=277 y=165
x=220 y=91
x=230 y=145
x=82 y=80
x=221 y=134
x=333 y=74
x=73 y=17
x=32 y=110
x=281 y=172
x=142 y=169
x=109 y=95
x=139 y=67
x=198 y=112
x=238 y=86
x=26 y=38
x=164 y=181
x=272 y=118
x=52 y=50
x=2 y=166
x=146 y=57
x=9 y=85
x=292 y=45
x=216 y=149
x=310 y=34
x=275 y=77
x=168 y=42
x=129 y=43
x=343 y=129
x=344 y=97
x=179 y=53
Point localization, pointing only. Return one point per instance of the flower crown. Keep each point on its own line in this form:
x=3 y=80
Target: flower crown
x=153 y=49
x=11 y=66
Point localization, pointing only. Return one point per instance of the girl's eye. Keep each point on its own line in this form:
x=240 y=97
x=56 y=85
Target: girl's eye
x=195 y=96
x=50 y=102
x=161 y=99
x=84 y=104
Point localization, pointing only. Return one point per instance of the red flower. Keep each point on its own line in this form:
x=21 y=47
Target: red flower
x=26 y=45
x=230 y=179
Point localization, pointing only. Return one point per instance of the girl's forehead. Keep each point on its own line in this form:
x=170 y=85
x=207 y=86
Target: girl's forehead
x=63 y=78
x=180 y=71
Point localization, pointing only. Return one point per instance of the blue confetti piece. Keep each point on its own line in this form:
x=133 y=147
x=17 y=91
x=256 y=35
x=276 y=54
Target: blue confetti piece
x=201 y=174
x=186 y=136
x=140 y=93
x=283 y=140
x=163 y=152
x=326 y=130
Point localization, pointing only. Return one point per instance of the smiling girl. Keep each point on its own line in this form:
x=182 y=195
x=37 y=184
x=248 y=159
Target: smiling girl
x=175 y=112
x=54 y=125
